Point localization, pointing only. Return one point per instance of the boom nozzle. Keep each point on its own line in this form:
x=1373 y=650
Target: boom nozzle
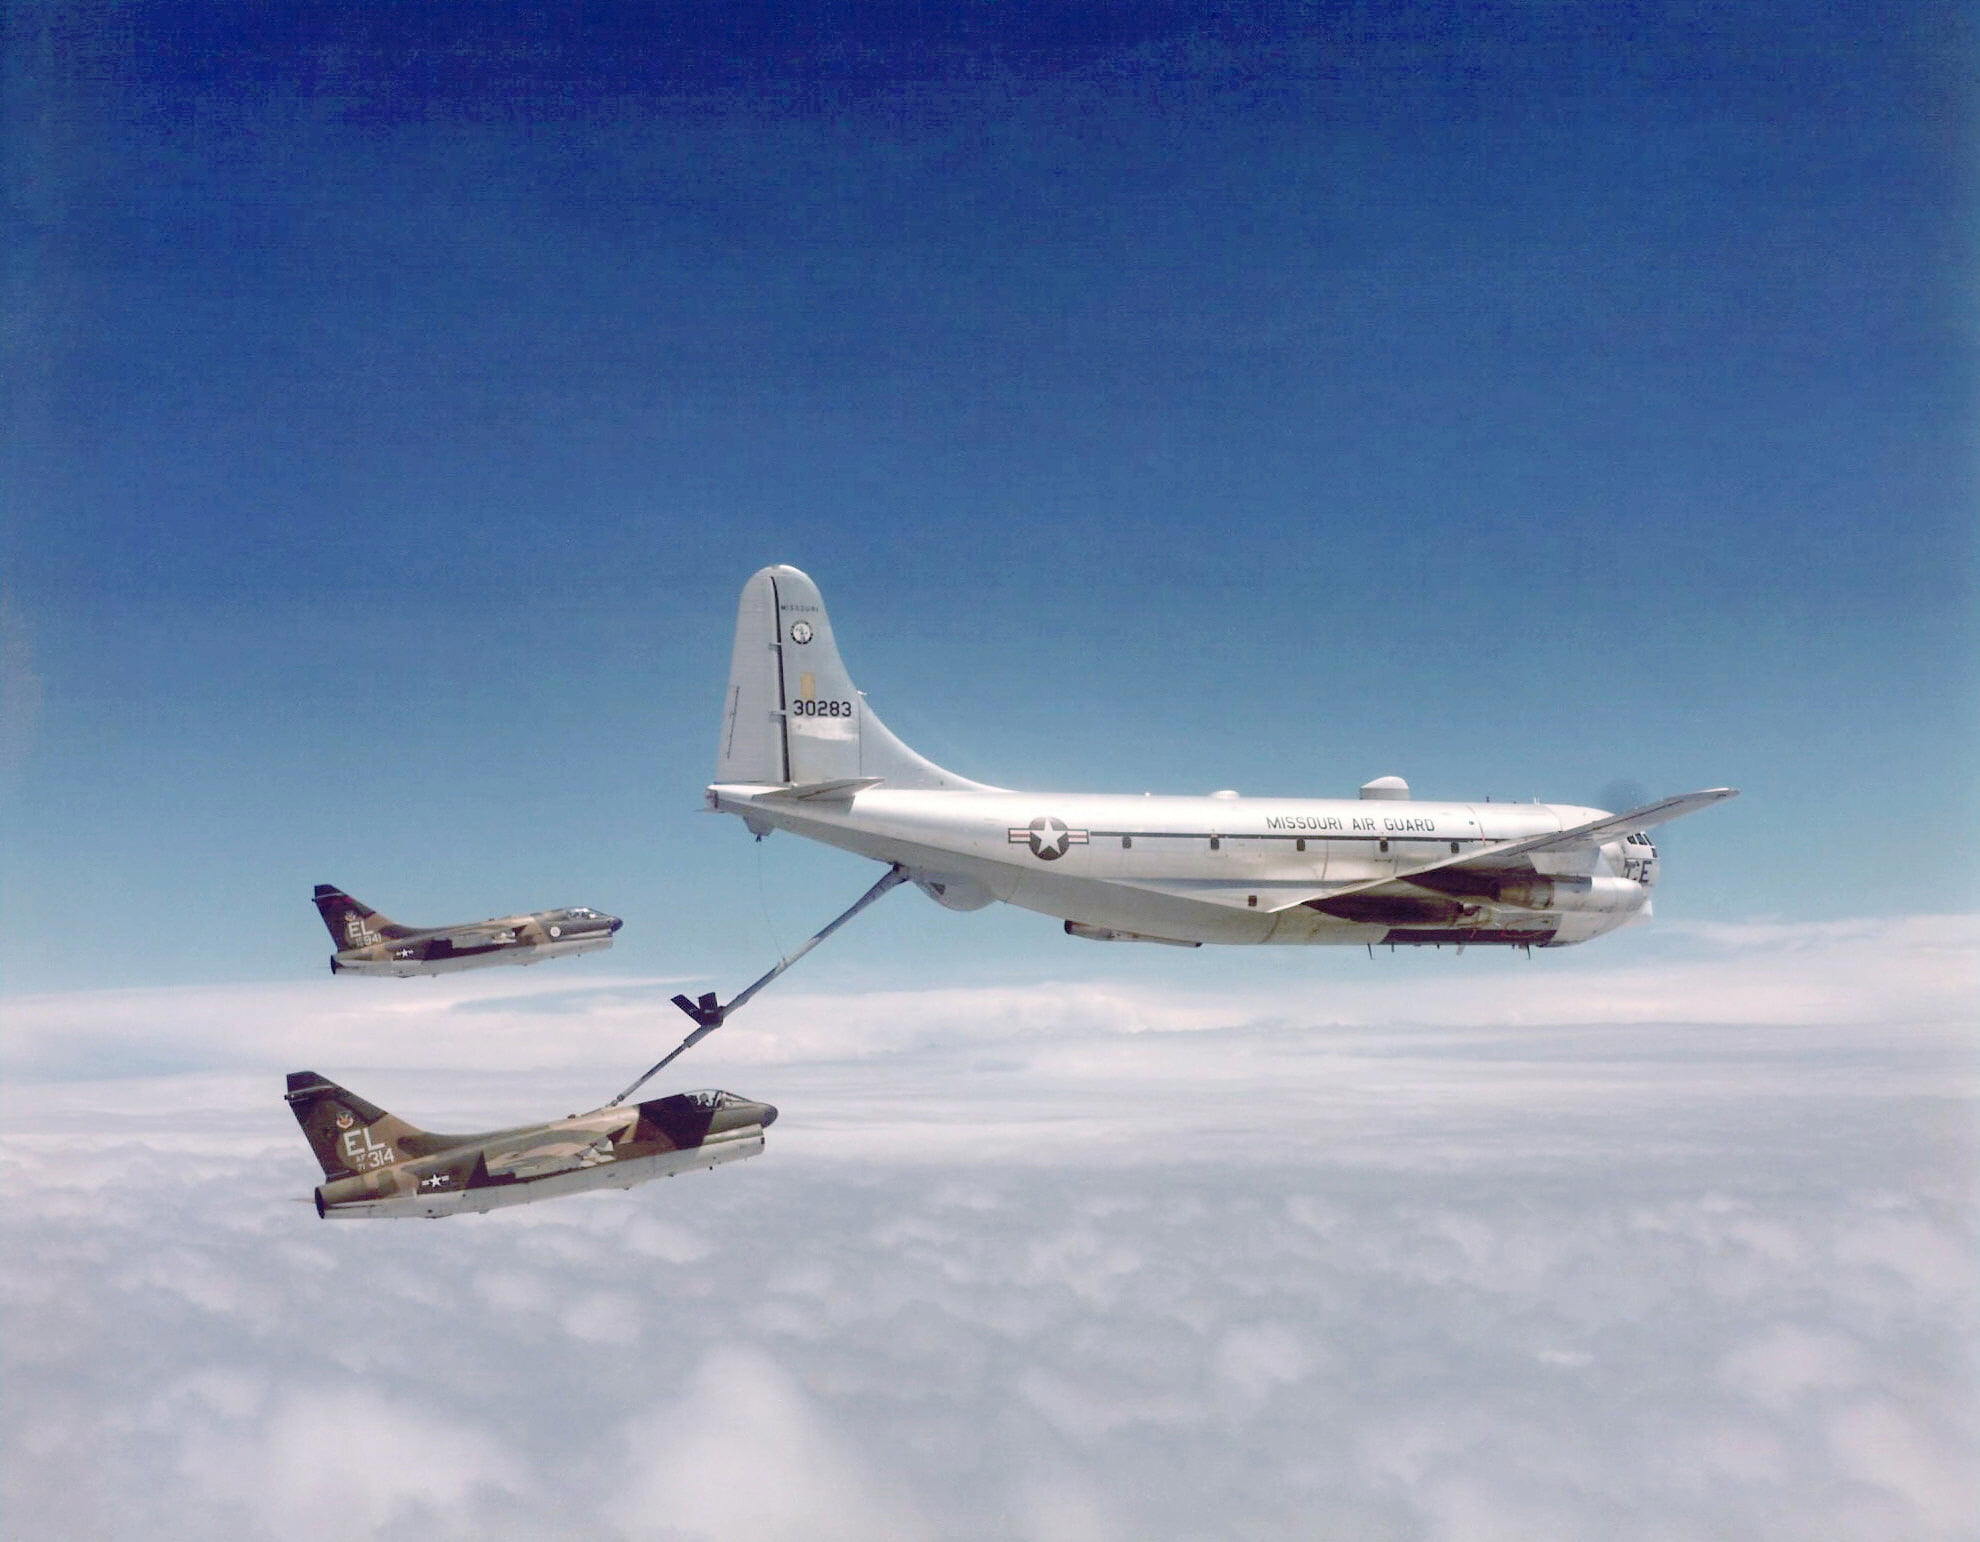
x=707 y=1011
x=710 y=1013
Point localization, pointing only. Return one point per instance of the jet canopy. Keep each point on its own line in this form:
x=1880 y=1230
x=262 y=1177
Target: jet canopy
x=711 y=1097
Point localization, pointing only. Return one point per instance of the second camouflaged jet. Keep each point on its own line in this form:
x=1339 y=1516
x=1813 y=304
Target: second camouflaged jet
x=370 y=943
x=375 y=1165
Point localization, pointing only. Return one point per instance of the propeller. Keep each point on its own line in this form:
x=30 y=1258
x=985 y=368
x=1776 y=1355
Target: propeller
x=1622 y=793
x=1627 y=793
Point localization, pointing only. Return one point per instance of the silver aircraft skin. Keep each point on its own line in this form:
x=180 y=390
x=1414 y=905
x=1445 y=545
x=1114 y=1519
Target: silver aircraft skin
x=800 y=750
x=371 y=943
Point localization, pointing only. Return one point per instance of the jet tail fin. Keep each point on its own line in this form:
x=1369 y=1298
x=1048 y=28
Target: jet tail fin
x=792 y=714
x=352 y=923
x=349 y=1134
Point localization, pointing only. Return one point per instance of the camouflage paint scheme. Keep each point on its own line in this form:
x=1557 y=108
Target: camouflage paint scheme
x=377 y=1165
x=371 y=943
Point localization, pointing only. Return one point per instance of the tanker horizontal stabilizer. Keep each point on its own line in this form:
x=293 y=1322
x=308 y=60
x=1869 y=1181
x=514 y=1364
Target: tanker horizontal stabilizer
x=840 y=787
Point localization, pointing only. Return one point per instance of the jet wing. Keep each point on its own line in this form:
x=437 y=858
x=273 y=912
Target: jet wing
x=480 y=935
x=554 y=1150
x=1593 y=833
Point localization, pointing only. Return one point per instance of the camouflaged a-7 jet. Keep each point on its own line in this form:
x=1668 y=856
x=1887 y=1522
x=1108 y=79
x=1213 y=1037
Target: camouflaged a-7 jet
x=370 y=943
x=375 y=1165
x=801 y=750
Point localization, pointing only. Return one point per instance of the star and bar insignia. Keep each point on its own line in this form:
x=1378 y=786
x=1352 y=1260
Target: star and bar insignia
x=1047 y=837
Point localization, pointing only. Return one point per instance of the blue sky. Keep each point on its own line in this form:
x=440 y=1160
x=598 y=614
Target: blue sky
x=1520 y=399
x=1525 y=399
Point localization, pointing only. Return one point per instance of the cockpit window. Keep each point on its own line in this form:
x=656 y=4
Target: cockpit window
x=709 y=1097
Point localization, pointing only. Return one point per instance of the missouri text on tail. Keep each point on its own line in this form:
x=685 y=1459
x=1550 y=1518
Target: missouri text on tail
x=800 y=750
x=370 y=943
x=376 y=1165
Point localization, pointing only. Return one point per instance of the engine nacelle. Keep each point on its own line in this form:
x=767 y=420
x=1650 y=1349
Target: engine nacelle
x=953 y=893
x=1110 y=934
x=1603 y=894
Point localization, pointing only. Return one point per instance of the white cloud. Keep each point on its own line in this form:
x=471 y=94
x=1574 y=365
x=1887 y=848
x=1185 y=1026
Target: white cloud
x=1664 y=1279
x=1784 y=1363
x=739 y=1449
x=1061 y=1508
x=1919 y=969
x=342 y=1461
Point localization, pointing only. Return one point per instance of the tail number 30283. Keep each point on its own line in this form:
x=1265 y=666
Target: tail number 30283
x=821 y=709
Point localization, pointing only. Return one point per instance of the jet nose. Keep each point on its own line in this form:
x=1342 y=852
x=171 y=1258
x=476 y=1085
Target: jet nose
x=613 y=923
x=736 y=1112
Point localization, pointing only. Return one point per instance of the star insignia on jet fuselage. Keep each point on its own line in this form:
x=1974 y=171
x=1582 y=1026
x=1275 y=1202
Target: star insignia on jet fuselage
x=1047 y=837
x=435 y=1180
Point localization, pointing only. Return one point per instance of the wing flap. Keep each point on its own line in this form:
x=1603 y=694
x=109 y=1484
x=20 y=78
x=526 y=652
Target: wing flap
x=580 y=1143
x=480 y=935
x=1264 y=895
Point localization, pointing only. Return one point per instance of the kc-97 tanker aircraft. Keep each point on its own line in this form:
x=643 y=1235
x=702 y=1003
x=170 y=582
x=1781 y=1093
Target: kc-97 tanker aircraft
x=370 y=943
x=375 y=1165
x=801 y=750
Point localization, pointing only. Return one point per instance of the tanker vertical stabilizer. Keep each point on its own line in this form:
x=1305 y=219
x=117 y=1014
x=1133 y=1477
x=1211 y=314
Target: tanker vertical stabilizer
x=792 y=716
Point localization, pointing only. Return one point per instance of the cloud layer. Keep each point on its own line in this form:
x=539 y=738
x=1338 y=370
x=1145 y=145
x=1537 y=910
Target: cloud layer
x=1911 y=970
x=1464 y=1281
